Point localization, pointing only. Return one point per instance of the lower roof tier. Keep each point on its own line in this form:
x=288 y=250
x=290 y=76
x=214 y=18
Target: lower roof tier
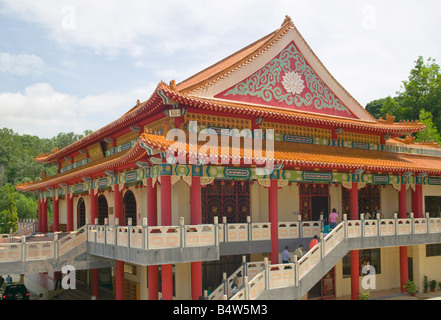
x=296 y=156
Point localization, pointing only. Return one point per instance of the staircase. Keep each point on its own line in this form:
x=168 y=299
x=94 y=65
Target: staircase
x=294 y=280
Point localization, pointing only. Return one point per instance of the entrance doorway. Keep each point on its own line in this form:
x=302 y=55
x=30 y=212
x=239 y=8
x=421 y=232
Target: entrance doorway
x=319 y=206
x=314 y=199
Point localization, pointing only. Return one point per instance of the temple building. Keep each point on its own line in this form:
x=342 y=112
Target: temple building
x=325 y=150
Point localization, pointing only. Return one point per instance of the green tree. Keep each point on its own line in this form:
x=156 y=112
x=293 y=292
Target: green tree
x=8 y=216
x=431 y=132
x=423 y=90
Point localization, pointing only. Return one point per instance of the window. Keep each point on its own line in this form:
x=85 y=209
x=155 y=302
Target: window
x=369 y=256
x=433 y=250
x=433 y=206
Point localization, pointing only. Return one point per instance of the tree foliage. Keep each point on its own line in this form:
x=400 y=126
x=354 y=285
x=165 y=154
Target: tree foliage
x=419 y=98
x=17 y=153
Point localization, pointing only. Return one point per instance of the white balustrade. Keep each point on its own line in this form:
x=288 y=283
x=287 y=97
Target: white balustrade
x=122 y=236
x=435 y=225
x=100 y=234
x=370 y=228
x=281 y=275
x=311 y=229
x=164 y=237
x=354 y=228
x=309 y=260
x=419 y=225
x=10 y=252
x=240 y=295
x=136 y=237
x=39 y=250
x=4 y=238
x=237 y=232
x=404 y=226
x=110 y=236
x=334 y=238
x=289 y=230
x=199 y=235
x=387 y=227
x=260 y=231
x=91 y=233
x=256 y=285
x=254 y=268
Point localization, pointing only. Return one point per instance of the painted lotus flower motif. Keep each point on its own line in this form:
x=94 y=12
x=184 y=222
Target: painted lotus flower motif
x=292 y=82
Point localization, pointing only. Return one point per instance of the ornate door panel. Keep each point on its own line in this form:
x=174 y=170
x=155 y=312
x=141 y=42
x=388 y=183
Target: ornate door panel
x=230 y=199
x=307 y=192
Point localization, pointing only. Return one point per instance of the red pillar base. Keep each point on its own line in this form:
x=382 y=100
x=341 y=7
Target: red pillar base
x=355 y=275
x=152 y=275
x=196 y=280
x=119 y=280
x=404 y=269
x=94 y=283
x=167 y=281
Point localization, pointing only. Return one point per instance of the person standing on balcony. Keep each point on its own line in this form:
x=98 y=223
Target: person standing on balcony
x=333 y=217
x=285 y=256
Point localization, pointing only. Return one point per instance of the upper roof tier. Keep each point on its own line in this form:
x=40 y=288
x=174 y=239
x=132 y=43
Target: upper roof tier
x=279 y=70
x=277 y=77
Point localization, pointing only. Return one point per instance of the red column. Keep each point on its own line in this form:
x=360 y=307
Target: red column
x=94 y=273
x=166 y=219
x=355 y=261
x=419 y=201
x=119 y=270
x=152 y=220
x=274 y=220
x=196 y=218
x=40 y=224
x=402 y=209
x=56 y=214
x=44 y=216
x=69 y=210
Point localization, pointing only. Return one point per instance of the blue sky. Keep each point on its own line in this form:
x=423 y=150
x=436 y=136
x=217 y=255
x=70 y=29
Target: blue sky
x=76 y=65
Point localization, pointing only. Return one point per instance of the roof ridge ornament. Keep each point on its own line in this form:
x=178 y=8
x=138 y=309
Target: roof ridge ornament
x=287 y=20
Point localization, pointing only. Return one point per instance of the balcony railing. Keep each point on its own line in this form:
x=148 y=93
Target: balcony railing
x=289 y=275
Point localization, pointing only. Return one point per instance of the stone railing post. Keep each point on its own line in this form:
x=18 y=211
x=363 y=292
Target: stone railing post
x=362 y=224
x=322 y=246
x=145 y=234
x=56 y=247
x=247 y=288
x=244 y=266
x=182 y=227
x=23 y=248
x=267 y=278
x=296 y=270
x=396 y=223
x=224 y=225
x=249 y=229
x=216 y=231
x=345 y=220
x=225 y=283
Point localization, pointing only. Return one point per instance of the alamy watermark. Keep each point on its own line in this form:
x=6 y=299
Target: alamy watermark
x=68 y=281
x=219 y=150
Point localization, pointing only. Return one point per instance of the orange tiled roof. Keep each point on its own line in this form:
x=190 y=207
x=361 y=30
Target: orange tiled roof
x=291 y=154
x=327 y=157
x=290 y=115
x=97 y=167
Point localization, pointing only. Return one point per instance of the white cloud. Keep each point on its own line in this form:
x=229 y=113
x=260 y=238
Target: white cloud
x=21 y=65
x=44 y=112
